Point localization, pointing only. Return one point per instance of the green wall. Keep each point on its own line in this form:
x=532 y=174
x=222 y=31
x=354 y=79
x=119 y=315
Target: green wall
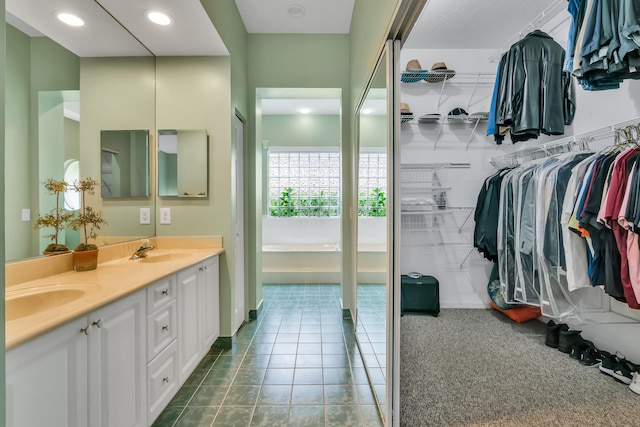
x=17 y=145
x=373 y=131
x=195 y=93
x=225 y=17
x=301 y=130
x=116 y=94
x=3 y=399
x=32 y=65
x=369 y=29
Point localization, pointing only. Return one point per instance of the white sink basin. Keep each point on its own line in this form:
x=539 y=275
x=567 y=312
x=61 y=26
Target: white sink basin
x=27 y=302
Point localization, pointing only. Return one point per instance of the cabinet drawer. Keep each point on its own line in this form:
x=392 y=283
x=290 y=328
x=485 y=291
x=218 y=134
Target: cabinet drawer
x=160 y=293
x=162 y=380
x=161 y=329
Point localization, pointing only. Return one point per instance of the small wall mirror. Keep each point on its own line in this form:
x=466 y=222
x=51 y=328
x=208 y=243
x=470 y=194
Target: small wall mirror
x=183 y=163
x=124 y=163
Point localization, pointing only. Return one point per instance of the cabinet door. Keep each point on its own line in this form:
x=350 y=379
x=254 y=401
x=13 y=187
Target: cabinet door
x=46 y=379
x=210 y=302
x=189 y=327
x=117 y=363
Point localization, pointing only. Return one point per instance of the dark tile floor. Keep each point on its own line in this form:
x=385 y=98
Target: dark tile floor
x=298 y=365
x=372 y=335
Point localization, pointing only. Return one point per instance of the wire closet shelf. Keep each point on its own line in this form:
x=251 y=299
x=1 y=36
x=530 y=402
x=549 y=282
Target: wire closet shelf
x=627 y=132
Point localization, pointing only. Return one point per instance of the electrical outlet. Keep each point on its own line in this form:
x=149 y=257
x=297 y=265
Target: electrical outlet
x=165 y=215
x=26 y=214
x=145 y=215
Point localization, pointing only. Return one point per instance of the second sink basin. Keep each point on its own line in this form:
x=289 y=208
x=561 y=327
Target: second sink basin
x=27 y=302
x=164 y=257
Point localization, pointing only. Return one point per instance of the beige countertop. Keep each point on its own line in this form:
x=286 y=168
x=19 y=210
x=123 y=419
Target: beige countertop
x=111 y=281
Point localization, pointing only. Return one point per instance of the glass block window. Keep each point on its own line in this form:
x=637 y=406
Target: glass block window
x=372 y=184
x=304 y=183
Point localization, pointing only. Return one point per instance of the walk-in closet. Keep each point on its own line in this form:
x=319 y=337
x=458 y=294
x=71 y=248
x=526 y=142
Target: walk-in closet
x=472 y=365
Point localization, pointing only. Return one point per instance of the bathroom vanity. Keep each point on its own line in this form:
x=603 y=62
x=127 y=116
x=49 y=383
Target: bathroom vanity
x=109 y=347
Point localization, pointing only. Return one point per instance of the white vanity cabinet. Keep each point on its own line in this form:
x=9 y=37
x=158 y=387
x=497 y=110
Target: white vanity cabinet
x=117 y=363
x=47 y=379
x=198 y=314
x=88 y=372
x=121 y=364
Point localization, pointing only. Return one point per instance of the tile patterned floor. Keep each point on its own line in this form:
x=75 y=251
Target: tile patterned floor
x=372 y=335
x=298 y=365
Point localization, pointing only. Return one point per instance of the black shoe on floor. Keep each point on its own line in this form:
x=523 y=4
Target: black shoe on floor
x=568 y=339
x=591 y=356
x=553 y=331
x=619 y=368
x=579 y=346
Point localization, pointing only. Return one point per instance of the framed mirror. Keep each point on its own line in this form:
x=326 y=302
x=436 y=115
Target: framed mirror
x=183 y=163
x=124 y=164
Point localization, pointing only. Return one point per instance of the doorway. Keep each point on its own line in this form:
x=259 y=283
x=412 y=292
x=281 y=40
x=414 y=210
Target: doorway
x=300 y=133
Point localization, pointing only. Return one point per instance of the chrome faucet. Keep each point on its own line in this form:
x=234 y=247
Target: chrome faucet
x=141 y=252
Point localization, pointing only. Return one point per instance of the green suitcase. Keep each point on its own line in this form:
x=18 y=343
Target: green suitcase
x=419 y=294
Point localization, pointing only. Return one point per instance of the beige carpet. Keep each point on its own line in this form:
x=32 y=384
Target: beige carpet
x=478 y=368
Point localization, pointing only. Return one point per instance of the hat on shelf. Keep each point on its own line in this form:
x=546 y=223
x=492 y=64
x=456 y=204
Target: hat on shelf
x=414 y=72
x=429 y=118
x=458 y=113
x=439 y=72
x=414 y=64
x=405 y=113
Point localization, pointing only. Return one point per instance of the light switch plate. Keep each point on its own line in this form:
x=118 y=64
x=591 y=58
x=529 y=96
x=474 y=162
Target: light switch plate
x=165 y=215
x=26 y=214
x=145 y=215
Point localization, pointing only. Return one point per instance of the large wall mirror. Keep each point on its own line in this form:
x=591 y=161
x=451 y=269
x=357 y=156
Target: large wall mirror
x=183 y=163
x=373 y=212
x=58 y=98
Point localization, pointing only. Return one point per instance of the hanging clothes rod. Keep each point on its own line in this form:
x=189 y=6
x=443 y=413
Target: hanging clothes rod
x=553 y=11
x=582 y=140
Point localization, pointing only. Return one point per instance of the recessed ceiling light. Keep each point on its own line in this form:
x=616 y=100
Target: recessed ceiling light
x=70 y=19
x=305 y=110
x=296 y=10
x=158 y=17
x=367 y=111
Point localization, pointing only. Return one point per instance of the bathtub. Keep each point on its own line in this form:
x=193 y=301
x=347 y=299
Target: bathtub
x=319 y=263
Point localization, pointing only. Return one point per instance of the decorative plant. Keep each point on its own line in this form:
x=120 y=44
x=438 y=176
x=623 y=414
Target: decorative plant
x=377 y=203
x=57 y=219
x=372 y=205
x=87 y=219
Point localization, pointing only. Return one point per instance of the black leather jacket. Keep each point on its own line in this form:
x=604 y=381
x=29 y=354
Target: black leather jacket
x=535 y=96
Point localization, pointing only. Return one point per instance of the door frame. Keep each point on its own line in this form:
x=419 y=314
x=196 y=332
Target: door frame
x=240 y=223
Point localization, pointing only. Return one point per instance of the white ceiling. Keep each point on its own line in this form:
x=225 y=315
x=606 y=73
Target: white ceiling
x=473 y=24
x=191 y=34
x=283 y=16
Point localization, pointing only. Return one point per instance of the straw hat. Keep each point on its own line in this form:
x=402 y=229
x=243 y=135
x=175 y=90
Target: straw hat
x=440 y=73
x=414 y=64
